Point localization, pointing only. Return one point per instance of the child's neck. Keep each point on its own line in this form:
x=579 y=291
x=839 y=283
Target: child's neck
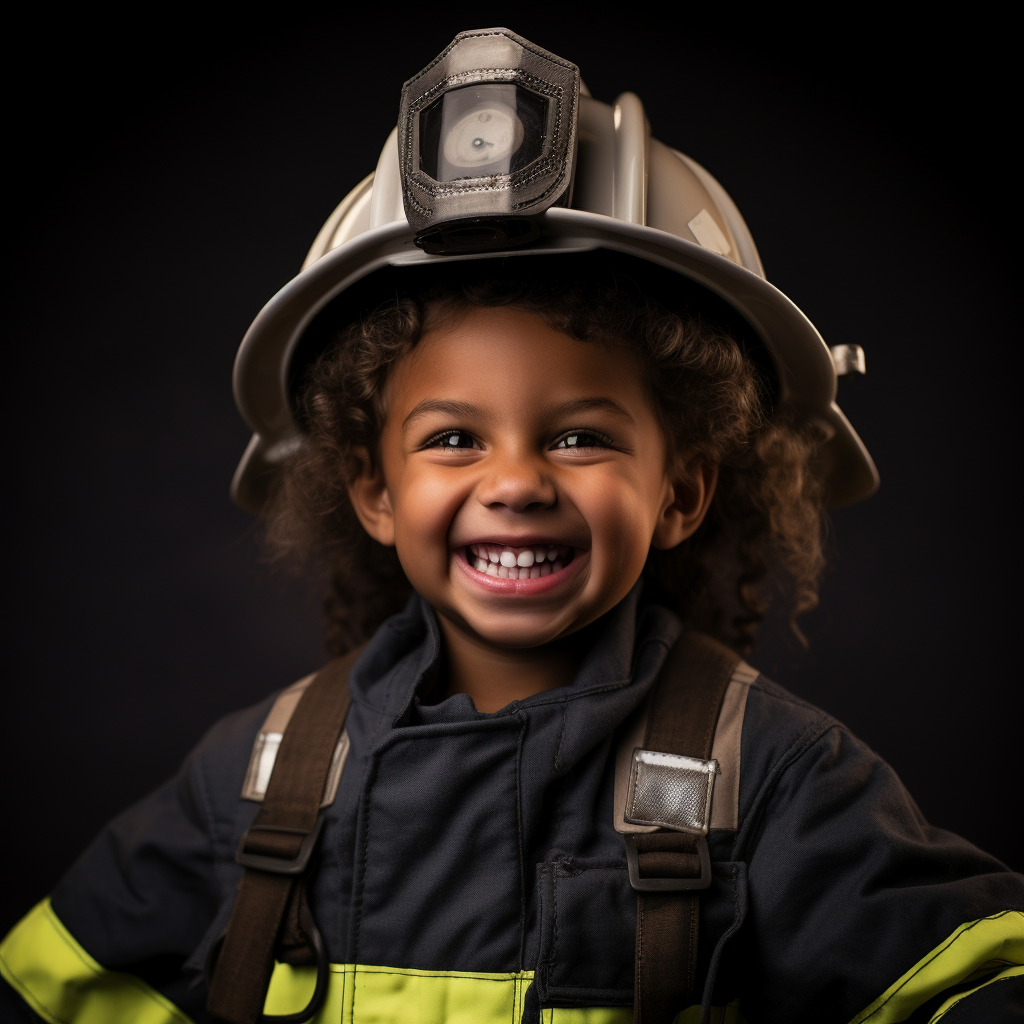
x=495 y=676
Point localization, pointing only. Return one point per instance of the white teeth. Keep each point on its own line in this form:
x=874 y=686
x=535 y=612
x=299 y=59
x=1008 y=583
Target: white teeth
x=531 y=563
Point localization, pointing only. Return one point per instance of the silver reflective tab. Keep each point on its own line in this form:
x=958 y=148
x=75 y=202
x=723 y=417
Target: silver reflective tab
x=670 y=791
x=261 y=767
x=849 y=360
x=261 y=764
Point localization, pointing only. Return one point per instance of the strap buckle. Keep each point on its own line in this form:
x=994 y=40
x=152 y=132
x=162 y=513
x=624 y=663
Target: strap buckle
x=280 y=865
x=667 y=884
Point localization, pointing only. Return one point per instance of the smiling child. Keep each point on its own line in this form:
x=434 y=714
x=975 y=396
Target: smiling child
x=558 y=455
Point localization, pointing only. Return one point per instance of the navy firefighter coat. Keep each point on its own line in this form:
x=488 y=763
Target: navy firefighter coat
x=469 y=869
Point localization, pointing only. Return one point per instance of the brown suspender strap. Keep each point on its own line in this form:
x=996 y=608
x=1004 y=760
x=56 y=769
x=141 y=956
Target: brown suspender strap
x=682 y=721
x=276 y=849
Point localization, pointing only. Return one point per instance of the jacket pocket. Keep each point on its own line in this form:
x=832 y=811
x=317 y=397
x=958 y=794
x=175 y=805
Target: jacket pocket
x=587 y=933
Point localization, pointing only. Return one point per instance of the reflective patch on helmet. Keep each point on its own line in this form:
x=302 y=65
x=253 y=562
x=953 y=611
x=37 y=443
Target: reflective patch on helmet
x=709 y=234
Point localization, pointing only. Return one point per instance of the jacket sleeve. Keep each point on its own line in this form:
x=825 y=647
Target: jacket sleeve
x=859 y=911
x=122 y=936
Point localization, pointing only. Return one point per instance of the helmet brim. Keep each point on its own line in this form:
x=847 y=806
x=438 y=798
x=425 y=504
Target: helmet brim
x=804 y=371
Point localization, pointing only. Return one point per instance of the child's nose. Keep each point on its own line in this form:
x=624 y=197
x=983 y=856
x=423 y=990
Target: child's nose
x=518 y=484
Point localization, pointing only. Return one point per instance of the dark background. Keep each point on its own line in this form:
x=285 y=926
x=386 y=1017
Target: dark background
x=172 y=175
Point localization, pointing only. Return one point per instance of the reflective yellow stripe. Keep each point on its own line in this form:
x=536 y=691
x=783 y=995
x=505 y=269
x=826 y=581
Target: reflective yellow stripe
x=986 y=944
x=1010 y=972
x=359 y=994
x=63 y=984
x=393 y=995
x=40 y=959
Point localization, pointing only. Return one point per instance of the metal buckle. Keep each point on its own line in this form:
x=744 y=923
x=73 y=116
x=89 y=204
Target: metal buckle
x=278 y=865
x=667 y=884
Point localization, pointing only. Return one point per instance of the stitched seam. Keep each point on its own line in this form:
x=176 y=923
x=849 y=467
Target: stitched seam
x=807 y=738
x=935 y=954
x=371 y=774
x=561 y=736
x=512 y=976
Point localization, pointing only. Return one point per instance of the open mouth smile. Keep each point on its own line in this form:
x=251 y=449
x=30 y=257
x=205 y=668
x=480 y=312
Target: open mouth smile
x=532 y=569
x=526 y=563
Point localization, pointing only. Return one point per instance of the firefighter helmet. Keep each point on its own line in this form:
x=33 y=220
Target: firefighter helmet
x=500 y=150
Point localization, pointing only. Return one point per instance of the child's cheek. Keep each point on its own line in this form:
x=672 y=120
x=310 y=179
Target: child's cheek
x=621 y=508
x=425 y=504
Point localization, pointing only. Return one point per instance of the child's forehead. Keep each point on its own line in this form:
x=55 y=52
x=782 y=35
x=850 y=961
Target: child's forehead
x=497 y=335
x=488 y=350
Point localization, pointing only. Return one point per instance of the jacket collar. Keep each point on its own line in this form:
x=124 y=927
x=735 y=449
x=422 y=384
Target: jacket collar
x=401 y=662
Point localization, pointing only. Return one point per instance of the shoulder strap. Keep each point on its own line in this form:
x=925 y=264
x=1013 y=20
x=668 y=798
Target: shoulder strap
x=683 y=714
x=275 y=851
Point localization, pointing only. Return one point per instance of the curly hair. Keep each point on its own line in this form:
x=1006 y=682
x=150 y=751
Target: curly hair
x=760 y=543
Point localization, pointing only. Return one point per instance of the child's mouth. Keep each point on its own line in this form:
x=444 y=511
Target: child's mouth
x=526 y=563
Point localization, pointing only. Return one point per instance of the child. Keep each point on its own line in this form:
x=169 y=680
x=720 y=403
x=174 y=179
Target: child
x=541 y=451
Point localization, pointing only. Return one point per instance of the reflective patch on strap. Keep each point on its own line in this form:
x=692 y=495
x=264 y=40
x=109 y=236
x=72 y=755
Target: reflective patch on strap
x=995 y=943
x=670 y=791
x=725 y=750
x=268 y=742
x=43 y=963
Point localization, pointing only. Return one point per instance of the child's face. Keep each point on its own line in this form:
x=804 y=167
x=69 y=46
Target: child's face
x=505 y=437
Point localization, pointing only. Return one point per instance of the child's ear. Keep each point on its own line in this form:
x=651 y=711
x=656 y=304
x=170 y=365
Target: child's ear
x=372 y=503
x=687 y=503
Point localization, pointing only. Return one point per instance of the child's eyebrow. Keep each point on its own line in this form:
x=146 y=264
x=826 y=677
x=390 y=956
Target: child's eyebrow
x=466 y=409
x=578 y=405
x=441 y=405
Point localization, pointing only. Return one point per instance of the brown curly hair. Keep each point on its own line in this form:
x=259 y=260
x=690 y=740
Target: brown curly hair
x=761 y=541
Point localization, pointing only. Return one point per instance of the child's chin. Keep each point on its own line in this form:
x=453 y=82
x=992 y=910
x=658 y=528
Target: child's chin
x=518 y=631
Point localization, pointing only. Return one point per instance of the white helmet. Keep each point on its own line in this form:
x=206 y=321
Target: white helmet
x=501 y=151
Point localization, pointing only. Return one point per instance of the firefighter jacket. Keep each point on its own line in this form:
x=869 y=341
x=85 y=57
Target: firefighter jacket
x=469 y=869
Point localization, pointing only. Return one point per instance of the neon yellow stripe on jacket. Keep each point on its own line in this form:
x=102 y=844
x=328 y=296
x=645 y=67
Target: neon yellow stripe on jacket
x=388 y=995
x=991 y=945
x=41 y=961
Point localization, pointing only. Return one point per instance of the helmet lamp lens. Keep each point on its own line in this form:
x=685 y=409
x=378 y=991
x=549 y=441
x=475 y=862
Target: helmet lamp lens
x=481 y=130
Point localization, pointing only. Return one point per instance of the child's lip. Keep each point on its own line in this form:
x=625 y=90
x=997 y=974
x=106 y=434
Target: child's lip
x=529 y=541
x=525 y=588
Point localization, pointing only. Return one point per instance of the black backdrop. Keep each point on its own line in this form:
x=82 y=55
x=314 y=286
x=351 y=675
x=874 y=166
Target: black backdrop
x=171 y=176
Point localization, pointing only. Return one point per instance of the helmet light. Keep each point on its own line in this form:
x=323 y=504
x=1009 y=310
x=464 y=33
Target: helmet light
x=487 y=140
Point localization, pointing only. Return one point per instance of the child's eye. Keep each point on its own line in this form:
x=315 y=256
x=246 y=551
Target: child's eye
x=582 y=439
x=451 y=439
